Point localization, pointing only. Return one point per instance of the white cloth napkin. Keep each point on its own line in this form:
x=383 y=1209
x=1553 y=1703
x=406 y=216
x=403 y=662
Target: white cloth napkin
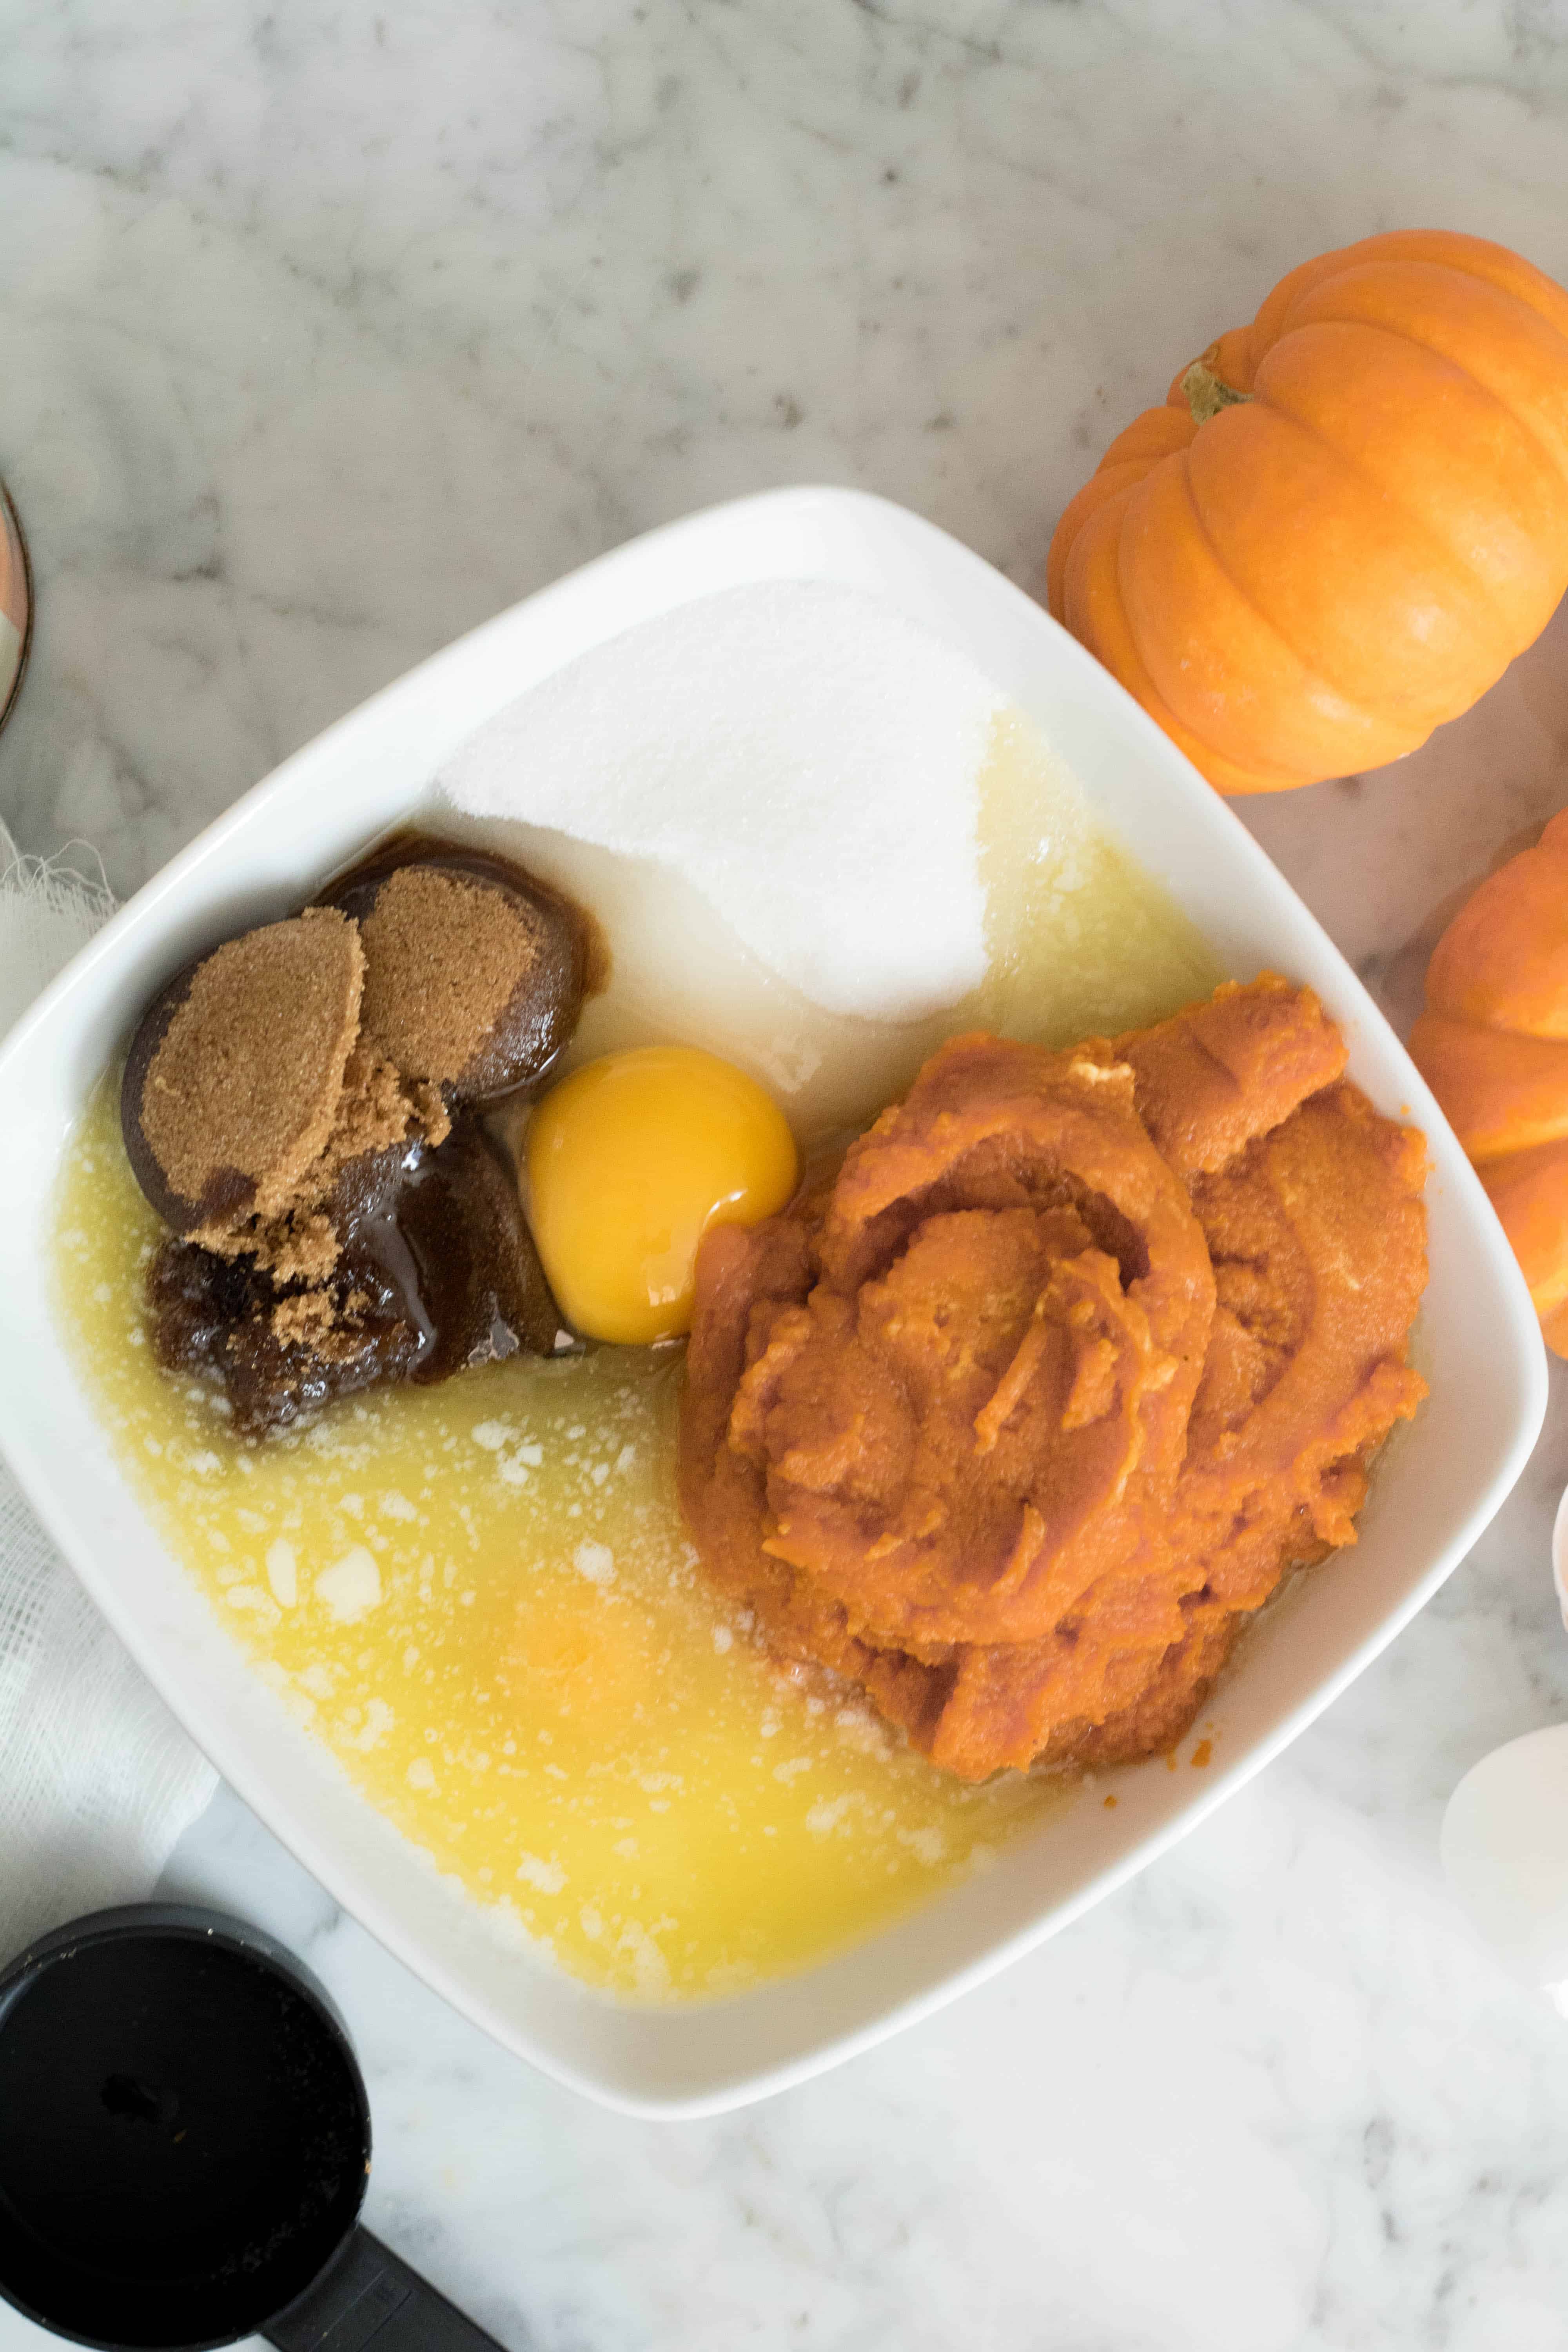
x=97 y=1780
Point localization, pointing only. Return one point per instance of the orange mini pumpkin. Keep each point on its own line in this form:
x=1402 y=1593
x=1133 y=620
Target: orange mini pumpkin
x=1492 y=1045
x=1346 y=519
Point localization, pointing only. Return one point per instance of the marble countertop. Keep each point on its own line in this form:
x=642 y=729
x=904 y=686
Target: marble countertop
x=326 y=333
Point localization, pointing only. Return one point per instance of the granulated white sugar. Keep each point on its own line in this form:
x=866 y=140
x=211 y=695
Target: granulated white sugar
x=803 y=753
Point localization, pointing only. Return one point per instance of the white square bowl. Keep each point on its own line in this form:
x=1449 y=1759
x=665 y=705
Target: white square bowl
x=1436 y=1487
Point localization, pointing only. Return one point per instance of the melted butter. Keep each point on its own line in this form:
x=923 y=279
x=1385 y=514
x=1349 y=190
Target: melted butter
x=480 y=1596
x=1080 y=942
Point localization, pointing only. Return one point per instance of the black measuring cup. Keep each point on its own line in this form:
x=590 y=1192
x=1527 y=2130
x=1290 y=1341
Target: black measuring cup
x=184 y=2144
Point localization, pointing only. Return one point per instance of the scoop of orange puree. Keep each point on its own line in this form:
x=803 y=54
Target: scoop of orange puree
x=1016 y=1420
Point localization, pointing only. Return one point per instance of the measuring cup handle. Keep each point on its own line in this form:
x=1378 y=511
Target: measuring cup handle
x=367 y=2298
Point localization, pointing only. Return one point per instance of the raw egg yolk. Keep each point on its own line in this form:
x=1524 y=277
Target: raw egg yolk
x=627 y=1162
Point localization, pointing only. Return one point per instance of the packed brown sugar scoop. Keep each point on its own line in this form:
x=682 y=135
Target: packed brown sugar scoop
x=304 y=1107
x=1015 y=1418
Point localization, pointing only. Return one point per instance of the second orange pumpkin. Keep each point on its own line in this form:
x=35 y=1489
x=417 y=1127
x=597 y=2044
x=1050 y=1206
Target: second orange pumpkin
x=1345 y=521
x=1492 y=1045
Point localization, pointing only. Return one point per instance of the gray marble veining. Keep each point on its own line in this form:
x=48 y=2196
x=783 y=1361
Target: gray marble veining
x=327 y=330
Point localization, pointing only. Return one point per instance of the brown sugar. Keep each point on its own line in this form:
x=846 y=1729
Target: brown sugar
x=242 y=1068
x=445 y=955
x=304 y=1319
x=436 y=1269
x=475 y=968
x=289 y=1106
x=250 y=1091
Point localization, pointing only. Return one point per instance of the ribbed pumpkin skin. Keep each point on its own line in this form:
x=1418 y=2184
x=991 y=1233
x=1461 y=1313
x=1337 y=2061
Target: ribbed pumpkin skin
x=1352 y=551
x=1492 y=1045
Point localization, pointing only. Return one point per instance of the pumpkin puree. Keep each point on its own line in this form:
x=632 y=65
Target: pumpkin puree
x=1014 y=1417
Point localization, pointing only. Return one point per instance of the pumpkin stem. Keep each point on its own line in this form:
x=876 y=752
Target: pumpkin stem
x=1206 y=395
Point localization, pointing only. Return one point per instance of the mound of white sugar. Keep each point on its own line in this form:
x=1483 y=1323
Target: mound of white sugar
x=802 y=753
